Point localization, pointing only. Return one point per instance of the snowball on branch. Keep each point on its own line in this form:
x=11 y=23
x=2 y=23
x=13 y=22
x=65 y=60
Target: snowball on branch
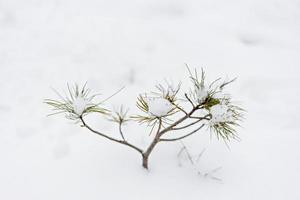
x=159 y=107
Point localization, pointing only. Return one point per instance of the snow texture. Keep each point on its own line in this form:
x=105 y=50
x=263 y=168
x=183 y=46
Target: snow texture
x=79 y=105
x=138 y=44
x=201 y=93
x=159 y=107
x=220 y=113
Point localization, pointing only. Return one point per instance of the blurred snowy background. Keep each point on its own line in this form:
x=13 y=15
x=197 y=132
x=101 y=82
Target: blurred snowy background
x=110 y=44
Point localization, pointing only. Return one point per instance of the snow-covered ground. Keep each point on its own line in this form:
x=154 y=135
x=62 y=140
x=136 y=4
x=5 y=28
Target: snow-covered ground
x=110 y=44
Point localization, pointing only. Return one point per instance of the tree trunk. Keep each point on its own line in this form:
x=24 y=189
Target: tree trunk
x=147 y=153
x=145 y=161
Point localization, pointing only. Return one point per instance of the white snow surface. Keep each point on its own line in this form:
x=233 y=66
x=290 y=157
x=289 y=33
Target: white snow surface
x=110 y=44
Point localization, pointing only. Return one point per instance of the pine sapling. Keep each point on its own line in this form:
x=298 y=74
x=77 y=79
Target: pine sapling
x=166 y=111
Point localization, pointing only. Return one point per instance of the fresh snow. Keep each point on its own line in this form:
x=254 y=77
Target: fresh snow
x=109 y=44
x=79 y=105
x=159 y=107
x=201 y=93
x=220 y=113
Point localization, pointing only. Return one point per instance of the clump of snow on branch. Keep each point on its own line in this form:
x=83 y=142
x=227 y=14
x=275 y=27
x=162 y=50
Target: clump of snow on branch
x=79 y=105
x=201 y=93
x=220 y=113
x=159 y=107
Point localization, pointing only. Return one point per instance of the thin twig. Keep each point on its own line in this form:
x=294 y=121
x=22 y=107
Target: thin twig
x=186 y=126
x=179 y=108
x=188 y=98
x=187 y=153
x=121 y=132
x=118 y=91
x=205 y=117
x=169 y=128
x=200 y=155
x=110 y=138
x=159 y=126
x=179 y=138
x=191 y=124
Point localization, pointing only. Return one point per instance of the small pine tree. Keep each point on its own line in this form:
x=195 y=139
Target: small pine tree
x=165 y=111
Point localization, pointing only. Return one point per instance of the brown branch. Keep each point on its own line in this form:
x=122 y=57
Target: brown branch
x=121 y=132
x=205 y=117
x=169 y=128
x=188 y=98
x=179 y=138
x=156 y=139
x=193 y=123
x=110 y=138
x=159 y=126
x=160 y=131
x=186 y=126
